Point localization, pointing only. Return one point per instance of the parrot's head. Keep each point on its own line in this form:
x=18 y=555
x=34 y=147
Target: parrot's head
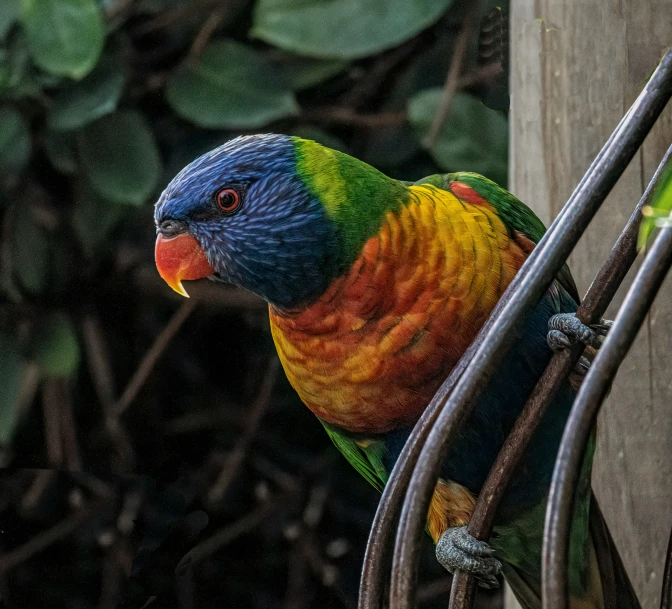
x=278 y=215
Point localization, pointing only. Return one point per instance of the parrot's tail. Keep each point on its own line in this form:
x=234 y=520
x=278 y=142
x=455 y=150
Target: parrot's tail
x=608 y=585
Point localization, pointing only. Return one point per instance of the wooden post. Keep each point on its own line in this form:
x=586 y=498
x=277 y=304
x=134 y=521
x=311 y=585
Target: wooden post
x=575 y=69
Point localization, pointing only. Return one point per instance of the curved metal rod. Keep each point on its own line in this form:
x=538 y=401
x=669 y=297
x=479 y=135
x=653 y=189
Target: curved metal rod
x=372 y=585
x=666 y=594
x=582 y=417
x=530 y=283
x=597 y=299
x=373 y=581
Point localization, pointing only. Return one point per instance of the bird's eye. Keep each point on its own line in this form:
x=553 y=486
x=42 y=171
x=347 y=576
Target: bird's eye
x=228 y=200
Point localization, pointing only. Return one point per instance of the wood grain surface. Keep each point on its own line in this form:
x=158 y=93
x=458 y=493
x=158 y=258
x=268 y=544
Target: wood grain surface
x=576 y=66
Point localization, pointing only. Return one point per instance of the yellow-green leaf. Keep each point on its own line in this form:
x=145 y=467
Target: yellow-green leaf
x=659 y=213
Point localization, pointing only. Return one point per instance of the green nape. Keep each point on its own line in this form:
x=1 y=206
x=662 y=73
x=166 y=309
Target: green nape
x=355 y=195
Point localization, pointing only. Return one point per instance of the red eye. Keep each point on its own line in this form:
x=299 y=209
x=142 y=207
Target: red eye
x=228 y=200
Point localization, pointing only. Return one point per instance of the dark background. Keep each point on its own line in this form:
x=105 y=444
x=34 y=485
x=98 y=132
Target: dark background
x=153 y=454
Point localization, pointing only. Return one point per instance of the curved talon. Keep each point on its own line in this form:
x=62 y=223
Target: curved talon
x=582 y=366
x=558 y=340
x=458 y=550
x=565 y=330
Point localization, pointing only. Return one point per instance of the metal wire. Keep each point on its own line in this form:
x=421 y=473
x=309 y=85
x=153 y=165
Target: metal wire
x=530 y=283
x=582 y=417
x=373 y=582
x=598 y=297
x=376 y=559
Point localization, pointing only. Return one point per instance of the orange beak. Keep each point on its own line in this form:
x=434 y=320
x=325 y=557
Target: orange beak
x=180 y=258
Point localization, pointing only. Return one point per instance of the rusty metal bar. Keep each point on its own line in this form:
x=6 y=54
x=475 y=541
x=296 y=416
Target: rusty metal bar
x=594 y=305
x=530 y=283
x=373 y=581
x=666 y=594
x=582 y=417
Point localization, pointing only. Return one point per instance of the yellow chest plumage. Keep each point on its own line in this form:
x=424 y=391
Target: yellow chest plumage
x=371 y=352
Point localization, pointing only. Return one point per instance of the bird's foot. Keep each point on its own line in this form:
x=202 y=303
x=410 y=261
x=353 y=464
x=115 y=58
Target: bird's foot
x=565 y=330
x=458 y=550
x=581 y=367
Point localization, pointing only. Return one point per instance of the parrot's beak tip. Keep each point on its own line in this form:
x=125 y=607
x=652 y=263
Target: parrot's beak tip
x=179 y=258
x=179 y=288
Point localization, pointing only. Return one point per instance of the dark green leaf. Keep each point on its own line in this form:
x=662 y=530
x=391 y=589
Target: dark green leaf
x=344 y=29
x=120 y=158
x=9 y=14
x=30 y=252
x=473 y=138
x=94 y=218
x=15 y=141
x=61 y=150
x=392 y=146
x=230 y=86
x=95 y=96
x=303 y=72
x=154 y=7
x=14 y=63
x=49 y=81
x=395 y=146
x=65 y=37
x=11 y=367
x=56 y=346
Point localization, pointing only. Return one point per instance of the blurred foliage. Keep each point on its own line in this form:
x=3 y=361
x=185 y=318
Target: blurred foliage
x=345 y=29
x=101 y=103
x=473 y=136
x=659 y=212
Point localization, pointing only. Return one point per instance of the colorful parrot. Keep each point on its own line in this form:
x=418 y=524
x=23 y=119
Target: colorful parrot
x=376 y=287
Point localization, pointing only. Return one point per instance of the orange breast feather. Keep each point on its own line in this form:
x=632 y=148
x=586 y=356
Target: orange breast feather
x=372 y=351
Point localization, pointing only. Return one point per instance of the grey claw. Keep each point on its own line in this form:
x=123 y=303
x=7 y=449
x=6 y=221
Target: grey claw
x=489 y=582
x=565 y=330
x=582 y=366
x=558 y=340
x=458 y=550
x=603 y=327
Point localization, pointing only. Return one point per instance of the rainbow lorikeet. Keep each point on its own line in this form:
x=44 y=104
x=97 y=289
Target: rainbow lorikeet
x=376 y=287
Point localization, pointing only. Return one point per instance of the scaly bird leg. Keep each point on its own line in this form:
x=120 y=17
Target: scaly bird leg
x=458 y=550
x=565 y=330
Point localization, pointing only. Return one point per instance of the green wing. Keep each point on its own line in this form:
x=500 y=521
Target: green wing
x=513 y=212
x=366 y=456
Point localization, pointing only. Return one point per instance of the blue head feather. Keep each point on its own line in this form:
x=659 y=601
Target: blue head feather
x=280 y=244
